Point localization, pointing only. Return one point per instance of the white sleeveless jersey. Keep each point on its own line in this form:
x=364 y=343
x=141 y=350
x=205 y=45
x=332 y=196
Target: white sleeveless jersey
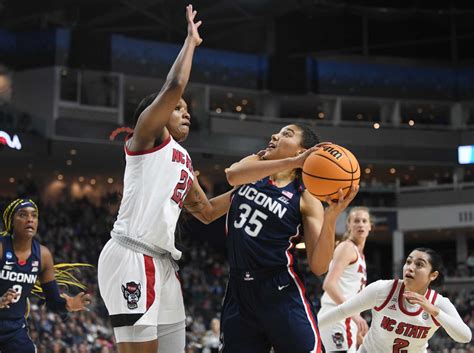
x=352 y=281
x=156 y=182
x=398 y=326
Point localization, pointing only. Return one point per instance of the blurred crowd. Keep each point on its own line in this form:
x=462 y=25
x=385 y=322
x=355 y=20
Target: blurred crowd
x=76 y=230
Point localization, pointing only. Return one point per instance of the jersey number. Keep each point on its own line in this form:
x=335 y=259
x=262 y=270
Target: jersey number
x=182 y=188
x=254 y=224
x=17 y=288
x=398 y=344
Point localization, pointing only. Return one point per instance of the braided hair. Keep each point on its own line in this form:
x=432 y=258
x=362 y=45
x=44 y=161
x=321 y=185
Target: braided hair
x=63 y=272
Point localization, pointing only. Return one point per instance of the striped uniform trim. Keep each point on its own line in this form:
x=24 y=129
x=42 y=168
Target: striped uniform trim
x=389 y=296
x=433 y=301
x=147 y=151
x=302 y=291
x=150 y=280
x=402 y=306
x=348 y=332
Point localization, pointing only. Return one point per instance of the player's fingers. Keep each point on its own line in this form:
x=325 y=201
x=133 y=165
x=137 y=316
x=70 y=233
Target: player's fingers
x=340 y=194
x=198 y=24
x=328 y=200
x=352 y=194
x=87 y=297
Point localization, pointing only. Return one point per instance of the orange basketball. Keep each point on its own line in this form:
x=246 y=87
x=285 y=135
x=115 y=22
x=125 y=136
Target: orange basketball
x=329 y=169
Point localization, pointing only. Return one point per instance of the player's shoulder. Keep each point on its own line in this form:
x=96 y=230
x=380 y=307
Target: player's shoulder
x=44 y=250
x=384 y=285
x=441 y=299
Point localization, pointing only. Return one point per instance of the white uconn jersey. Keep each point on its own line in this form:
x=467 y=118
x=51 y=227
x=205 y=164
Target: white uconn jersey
x=352 y=281
x=399 y=327
x=156 y=183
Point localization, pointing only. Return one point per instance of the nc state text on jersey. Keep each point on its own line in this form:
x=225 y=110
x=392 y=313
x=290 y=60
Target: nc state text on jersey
x=180 y=157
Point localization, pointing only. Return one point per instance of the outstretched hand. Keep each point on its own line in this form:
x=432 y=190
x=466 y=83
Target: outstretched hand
x=193 y=32
x=8 y=297
x=336 y=207
x=77 y=303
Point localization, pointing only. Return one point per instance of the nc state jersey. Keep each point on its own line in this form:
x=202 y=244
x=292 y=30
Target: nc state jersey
x=397 y=328
x=263 y=225
x=19 y=276
x=352 y=281
x=156 y=183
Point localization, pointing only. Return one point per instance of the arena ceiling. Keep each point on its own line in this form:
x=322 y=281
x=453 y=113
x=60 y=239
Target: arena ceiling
x=439 y=30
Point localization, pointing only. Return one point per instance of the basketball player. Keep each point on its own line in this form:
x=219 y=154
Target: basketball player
x=137 y=274
x=405 y=313
x=22 y=261
x=266 y=304
x=346 y=277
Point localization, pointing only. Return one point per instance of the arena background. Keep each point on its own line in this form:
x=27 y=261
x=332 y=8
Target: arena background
x=391 y=81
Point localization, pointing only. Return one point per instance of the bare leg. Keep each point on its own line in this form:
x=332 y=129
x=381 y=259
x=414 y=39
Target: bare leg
x=142 y=347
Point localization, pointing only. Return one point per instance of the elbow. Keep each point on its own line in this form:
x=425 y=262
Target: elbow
x=467 y=338
x=319 y=270
x=231 y=177
x=175 y=84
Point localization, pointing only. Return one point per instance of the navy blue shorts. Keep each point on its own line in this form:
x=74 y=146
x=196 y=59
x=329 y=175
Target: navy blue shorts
x=14 y=337
x=263 y=310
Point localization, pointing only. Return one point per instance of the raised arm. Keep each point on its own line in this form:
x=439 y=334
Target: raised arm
x=202 y=208
x=253 y=167
x=320 y=228
x=152 y=121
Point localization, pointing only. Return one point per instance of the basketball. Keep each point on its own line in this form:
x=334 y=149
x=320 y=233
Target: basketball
x=329 y=169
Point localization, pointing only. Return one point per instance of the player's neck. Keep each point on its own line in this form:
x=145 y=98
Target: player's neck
x=421 y=291
x=21 y=244
x=283 y=178
x=360 y=244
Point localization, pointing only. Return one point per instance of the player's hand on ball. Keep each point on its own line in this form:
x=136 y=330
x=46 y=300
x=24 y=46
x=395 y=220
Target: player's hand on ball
x=336 y=207
x=193 y=32
x=8 y=297
x=301 y=158
x=77 y=303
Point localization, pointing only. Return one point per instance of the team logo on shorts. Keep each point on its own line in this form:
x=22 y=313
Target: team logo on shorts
x=132 y=292
x=338 y=339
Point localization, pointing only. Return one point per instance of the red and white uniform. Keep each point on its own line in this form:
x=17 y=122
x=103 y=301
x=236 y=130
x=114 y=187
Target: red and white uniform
x=137 y=275
x=342 y=335
x=155 y=185
x=397 y=326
